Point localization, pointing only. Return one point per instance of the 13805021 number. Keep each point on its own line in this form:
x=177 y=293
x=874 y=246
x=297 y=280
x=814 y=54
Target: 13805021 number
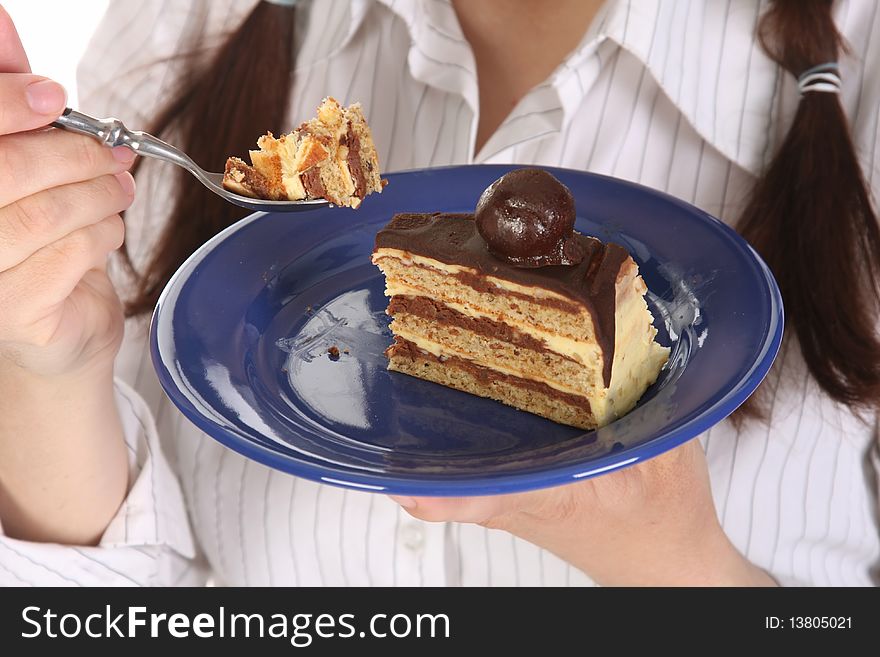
x=820 y=622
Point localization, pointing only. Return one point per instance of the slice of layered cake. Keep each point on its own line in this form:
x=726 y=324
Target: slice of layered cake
x=512 y=304
x=331 y=156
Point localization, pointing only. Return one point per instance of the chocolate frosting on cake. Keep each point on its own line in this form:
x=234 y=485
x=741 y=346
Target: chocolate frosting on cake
x=453 y=239
x=527 y=219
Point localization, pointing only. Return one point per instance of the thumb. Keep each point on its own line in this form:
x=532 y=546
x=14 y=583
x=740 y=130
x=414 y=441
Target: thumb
x=479 y=510
x=12 y=56
x=28 y=102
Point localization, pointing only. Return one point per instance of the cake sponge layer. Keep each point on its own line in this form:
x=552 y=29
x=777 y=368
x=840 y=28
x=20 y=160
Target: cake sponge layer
x=460 y=374
x=496 y=352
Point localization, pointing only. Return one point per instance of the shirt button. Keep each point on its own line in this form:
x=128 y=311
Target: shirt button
x=413 y=537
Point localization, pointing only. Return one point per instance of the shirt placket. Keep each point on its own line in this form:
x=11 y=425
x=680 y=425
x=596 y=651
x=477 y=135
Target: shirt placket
x=421 y=551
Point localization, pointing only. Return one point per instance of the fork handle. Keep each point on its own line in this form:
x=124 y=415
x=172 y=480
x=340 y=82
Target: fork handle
x=112 y=132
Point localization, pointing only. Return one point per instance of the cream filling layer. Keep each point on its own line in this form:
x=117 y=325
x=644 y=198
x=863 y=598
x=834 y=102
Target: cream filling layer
x=586 y=353
x=638 y=359
x=287 y=154
x=293 y=186
x=441 y=350
x=631 y=318
x=641 y=362
x=450 y=270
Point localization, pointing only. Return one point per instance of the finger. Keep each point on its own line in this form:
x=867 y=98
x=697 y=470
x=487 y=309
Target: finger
x=37 y=161
x=459 y=509
x=30 y=291
x=46 y=217
x=12 y=56
x=28 y=102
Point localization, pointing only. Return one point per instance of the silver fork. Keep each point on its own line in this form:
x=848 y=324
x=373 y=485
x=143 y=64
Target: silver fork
x=112 y=132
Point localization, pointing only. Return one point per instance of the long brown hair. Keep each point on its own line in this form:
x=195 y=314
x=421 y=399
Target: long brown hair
x=811 y=219
x=809 y=216
x=247 y=83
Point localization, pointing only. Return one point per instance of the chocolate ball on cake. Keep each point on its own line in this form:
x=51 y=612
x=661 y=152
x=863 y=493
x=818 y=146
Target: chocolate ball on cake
x=526 y=218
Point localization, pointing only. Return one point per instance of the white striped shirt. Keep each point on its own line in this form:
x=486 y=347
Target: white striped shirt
x=676 y=95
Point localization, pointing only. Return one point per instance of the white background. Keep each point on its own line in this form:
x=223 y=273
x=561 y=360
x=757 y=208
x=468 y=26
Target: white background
x=55 y=34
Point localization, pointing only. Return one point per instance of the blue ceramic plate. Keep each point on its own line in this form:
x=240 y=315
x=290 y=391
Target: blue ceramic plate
x=241 y=334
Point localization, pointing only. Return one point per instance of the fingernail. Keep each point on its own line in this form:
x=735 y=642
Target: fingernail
x=46 y=97
x=123 y=154
x=405 y=502
x=126 y=181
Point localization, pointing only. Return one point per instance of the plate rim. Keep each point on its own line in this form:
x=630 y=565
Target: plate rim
x=496 y=483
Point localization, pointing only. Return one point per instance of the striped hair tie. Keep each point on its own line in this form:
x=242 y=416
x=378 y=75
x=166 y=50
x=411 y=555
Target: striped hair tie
x=822 y=78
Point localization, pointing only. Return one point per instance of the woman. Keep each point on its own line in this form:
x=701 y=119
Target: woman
x=678 y=96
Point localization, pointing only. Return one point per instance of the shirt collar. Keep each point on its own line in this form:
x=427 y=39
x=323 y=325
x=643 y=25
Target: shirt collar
x=336 y=18
x=439 y=54
x=725 y=86
x=707 y=60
